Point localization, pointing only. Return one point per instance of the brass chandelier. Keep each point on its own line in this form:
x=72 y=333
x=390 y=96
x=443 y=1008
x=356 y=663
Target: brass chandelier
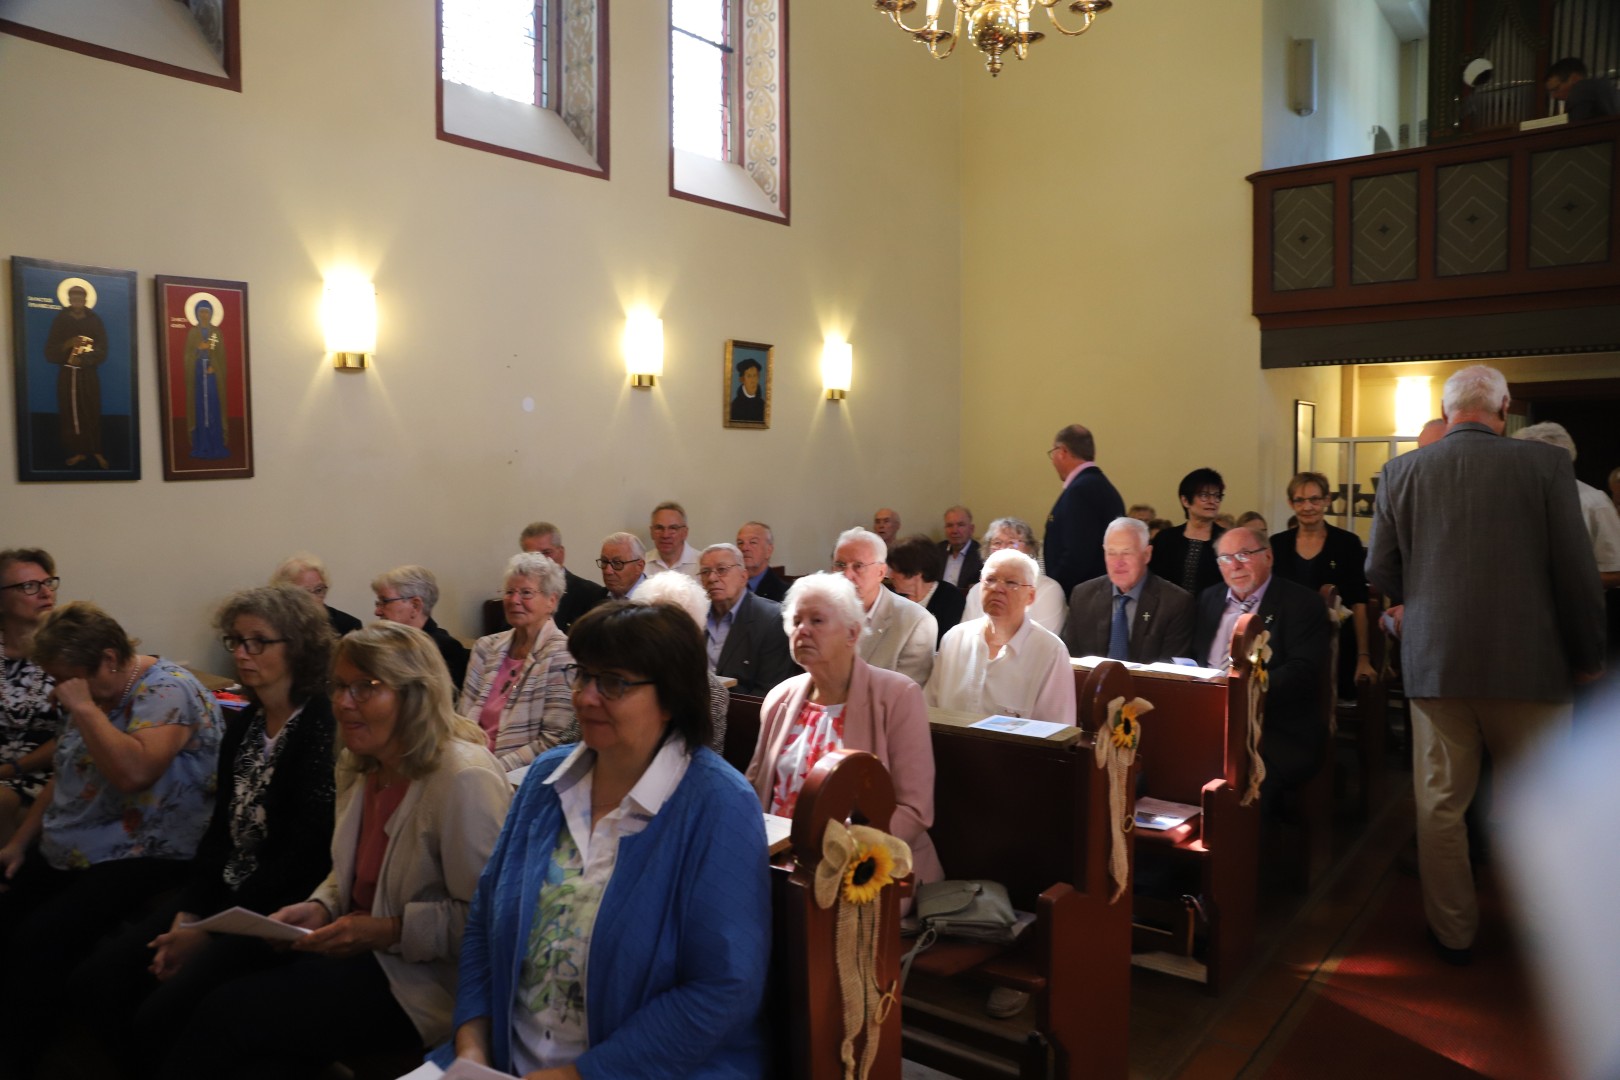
x=994 y=26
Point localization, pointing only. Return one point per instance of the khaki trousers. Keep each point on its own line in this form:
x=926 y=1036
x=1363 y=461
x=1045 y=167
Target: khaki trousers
x=1447 y=737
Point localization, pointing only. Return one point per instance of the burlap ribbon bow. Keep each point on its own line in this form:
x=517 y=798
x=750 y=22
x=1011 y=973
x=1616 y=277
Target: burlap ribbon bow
x=1115 y=751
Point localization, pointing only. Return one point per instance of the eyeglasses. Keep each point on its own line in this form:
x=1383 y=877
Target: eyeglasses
x=617 y=564
x=318 y=590
x=524 y=595
x=253 y=645
x=1244 y=557
x=611 y=686
x=716 y=571
x=31 y=588
x=1054 y=450
x=1210 y=493
x=359 y=691
x=1003 y=583
x=1308 y=500
x=662 y=529
x=1003 y=545
x=384 y=601
x=858 y=567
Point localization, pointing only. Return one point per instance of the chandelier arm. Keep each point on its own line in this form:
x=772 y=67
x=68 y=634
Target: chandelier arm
x=933 y=47
x=955 y=34
x=1050 y=5
x=912 y=30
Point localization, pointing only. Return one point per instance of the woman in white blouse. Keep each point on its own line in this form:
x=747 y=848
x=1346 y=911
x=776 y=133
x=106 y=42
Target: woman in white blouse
x=1004 y=662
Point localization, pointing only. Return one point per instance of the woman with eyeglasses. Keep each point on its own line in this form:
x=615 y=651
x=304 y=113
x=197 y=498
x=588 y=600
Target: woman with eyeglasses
x=29 y=720
x=842 y=702
x=622 y=927
x=419 y=804
x=309 y=573
x=1050 y=607
x=1313 y=554
x=1185 y=554
x=267 y=845
x=515 y=690
x=118 y=823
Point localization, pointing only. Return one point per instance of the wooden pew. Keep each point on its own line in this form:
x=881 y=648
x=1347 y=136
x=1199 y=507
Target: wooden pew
x=805 y=1009
x=742 y=729
x=1195 y=751
x=1032 y=815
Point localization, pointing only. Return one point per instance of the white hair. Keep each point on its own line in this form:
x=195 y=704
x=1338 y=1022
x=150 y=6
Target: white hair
x=872 y=540
x=638 y=550
x=1550 y=433
x=834 y=590
x=1476 y=389
x=409 y=582
x=1017 y=526
x=1135 y=526
x=1027 y=566
x=676 y=590
x=539 y=569
x=290 y=568
x=731 y=549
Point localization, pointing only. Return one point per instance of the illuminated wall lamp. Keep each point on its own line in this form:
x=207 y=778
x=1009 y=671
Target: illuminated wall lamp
x=837 y=364
x=644 y=349
x=1411 y=403
x=349 y=315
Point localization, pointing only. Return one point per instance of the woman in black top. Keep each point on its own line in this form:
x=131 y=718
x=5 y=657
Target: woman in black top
x=1314 y=554
x=1185 y=555
x=267 y=845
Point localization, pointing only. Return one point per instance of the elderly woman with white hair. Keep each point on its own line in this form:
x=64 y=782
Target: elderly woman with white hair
x=683 y=591
x=407 y=594
x=516 y=690
x=1050 y=608
x=308 y=573
x=842 y=702
x=1602 y=520
x=1004 y=662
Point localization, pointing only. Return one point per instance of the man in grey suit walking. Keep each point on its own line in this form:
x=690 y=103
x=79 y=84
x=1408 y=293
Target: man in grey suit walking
x=1129 y=614
x=1481 y=539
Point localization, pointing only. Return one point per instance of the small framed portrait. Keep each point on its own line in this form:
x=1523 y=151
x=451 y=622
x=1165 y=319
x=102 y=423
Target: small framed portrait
x=73 y=351
x=204 y=397
x=747 y=385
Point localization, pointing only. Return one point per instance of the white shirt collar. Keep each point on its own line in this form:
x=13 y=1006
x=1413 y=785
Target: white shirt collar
x=654 y=788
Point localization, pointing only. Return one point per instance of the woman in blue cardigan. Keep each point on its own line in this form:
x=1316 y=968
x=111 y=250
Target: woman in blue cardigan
x=622 y=926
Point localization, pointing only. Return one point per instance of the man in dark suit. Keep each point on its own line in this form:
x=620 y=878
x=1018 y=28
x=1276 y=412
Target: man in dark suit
x=757 y=544
x=579 y=595
x=1074 y=529
x=1481 y=539
x=962 y=561
x=1130 y=614
x=1296 y=722
x=744 y=634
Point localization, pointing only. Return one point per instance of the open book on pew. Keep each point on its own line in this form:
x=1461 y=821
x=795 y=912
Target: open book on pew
x=1188 y=670
x=1162 y=814
x=239 y=920
x=1005 y=727
x=459 y=1070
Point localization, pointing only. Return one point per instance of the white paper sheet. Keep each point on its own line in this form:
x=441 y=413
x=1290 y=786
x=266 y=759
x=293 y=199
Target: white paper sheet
x=1013 y=725
x=239 y=920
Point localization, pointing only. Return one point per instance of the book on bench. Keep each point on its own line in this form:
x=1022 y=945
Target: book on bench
x=1188 y=670
x=239 y=920
x=1163 y=814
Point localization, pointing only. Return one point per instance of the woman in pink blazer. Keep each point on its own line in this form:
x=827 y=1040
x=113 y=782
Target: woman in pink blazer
x=842 y=702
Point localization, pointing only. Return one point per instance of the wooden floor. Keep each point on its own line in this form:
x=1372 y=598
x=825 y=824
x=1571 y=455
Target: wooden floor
x=1179 y=1032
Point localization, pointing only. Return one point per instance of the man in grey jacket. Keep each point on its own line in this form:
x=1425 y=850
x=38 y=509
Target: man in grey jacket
x=1481 y=539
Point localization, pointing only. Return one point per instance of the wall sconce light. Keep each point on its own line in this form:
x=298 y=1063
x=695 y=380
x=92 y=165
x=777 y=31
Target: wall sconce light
x=349 y=315
x=644 y=348
x=1302 y=76
x=1411 y=403
x=837 y=364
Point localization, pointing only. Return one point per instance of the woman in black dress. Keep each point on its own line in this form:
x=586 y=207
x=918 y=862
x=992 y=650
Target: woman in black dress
x=1314 y=554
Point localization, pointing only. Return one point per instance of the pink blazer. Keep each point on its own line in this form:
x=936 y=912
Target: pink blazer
x=884 y=716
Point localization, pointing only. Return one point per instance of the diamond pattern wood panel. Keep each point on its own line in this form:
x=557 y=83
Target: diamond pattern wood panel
x=1302 y=238
x=1569 y=205
x=1383 y=228
x=1472 y=212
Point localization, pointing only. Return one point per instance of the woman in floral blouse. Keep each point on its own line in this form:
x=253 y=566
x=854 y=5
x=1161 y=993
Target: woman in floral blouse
x=117 y=824
x=28 y=718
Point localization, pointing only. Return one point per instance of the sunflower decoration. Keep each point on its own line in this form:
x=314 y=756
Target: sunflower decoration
x=1259 y=657
x=857 y=862
x=871 y=868
x=1116 y=753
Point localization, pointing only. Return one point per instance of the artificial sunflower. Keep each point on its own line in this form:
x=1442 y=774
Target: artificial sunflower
x=869 y=871
x=1125 y=730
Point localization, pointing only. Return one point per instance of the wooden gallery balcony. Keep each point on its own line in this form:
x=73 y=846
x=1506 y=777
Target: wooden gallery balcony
x=1502 y=245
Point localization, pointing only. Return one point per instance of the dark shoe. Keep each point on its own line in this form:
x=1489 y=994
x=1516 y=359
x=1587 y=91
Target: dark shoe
x=1455 y=957
x=1005 y=1002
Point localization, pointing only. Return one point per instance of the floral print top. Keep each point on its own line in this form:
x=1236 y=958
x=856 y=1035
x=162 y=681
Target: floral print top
x=28 y=719
x=90 y=821
x=816 y=732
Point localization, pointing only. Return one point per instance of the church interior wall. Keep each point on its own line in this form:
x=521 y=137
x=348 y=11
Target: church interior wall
x=498 y=281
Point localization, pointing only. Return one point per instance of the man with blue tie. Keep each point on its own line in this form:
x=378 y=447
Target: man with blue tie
x=1129 y=614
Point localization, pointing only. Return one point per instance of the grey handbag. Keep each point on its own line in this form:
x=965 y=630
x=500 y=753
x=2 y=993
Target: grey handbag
x=968 y=911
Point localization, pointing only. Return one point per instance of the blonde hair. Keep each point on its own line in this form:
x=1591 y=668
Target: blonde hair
x=408 y=662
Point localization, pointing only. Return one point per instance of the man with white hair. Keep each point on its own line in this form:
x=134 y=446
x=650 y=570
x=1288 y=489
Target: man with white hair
x=1004 y=662
x=623 y=564
x=407 y=595
x=899 y=634
x=743 y=632
x=1602 y=520
x=963 y=560
x=1481 y=539
x=1129 y=614
x=670 y=549
x=886 y=523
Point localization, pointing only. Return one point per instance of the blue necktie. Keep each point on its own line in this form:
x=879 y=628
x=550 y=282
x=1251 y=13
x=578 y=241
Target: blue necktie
x=1119 y=633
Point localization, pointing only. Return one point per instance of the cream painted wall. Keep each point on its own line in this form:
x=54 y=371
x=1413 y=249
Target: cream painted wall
x=1358 y=80
x=1106 y=230
x=497 y=280
x=1375 y=383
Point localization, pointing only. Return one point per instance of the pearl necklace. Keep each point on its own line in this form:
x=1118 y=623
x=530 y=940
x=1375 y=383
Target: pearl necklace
x=134 y=673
